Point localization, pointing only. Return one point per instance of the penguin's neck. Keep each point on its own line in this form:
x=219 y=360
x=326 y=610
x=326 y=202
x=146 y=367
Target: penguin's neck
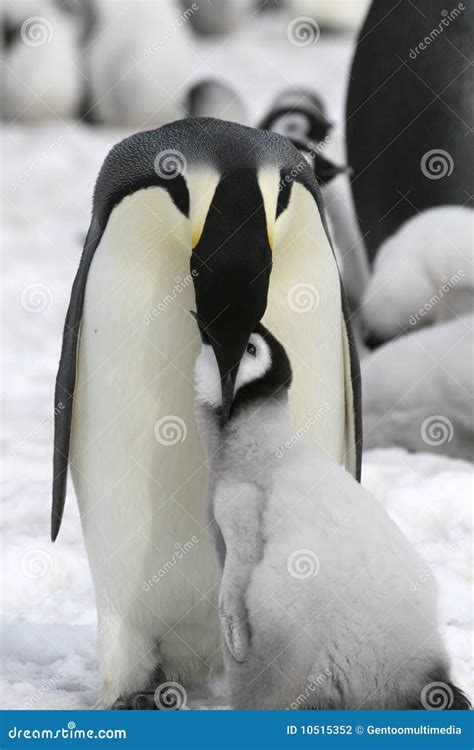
x=254 y=435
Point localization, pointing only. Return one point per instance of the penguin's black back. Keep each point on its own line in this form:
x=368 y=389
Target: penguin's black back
x=404 y=102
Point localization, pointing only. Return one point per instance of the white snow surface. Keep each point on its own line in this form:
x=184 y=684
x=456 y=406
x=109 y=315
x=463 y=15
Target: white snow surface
x=48 y=631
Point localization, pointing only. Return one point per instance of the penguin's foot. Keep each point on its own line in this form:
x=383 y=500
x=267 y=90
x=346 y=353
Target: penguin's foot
x=136 y=702
x=150 y=698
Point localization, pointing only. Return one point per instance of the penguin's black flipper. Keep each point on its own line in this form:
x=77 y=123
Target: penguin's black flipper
x=66 y=379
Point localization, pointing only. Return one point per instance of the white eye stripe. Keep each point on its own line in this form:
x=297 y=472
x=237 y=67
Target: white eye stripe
x=253 y=366
x=207 y=380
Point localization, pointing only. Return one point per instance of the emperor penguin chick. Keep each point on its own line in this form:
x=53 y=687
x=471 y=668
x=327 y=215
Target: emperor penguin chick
x=323 y=602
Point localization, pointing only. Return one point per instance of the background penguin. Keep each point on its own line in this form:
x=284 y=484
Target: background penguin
x=232 y=212
x=301 y=116
x=409 y=114
x=408 y=129
x=42 y=76
x=430 y=251
x=138 y=79
x=317 y=601
x=417 y=389
x=214 y=98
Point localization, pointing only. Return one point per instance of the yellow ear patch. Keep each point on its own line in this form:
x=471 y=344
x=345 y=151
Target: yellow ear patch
x=268 y=182
x=202 y=185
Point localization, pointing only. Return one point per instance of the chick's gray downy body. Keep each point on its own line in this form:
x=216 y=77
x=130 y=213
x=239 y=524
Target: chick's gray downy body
x=322 y=602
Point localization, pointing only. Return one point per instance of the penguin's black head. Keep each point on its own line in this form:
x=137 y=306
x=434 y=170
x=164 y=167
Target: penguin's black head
x=231 y=267
x=264 y=372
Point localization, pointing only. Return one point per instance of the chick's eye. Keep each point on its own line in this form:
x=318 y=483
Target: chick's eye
x=252 y=350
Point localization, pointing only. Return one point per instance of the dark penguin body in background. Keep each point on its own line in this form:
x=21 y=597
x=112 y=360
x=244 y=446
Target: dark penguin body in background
x=208 y=215
x=403 y=102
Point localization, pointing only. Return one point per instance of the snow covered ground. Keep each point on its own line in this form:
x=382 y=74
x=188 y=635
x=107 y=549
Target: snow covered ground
x=48 y=634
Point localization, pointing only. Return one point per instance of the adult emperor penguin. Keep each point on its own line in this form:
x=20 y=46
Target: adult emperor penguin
x=320 y=598
x=409 y=114
x=208 y=215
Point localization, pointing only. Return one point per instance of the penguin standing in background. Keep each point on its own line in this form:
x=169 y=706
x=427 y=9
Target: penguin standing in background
x=217 y=217
x=409 y=132
x=42 y=40
x=301 y=116
x=409 y=114
x=317 y=601
x=417 y=389
x=138 y=79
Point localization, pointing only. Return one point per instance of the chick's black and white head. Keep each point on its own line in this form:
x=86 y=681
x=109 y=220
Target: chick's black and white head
x=264 y=372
